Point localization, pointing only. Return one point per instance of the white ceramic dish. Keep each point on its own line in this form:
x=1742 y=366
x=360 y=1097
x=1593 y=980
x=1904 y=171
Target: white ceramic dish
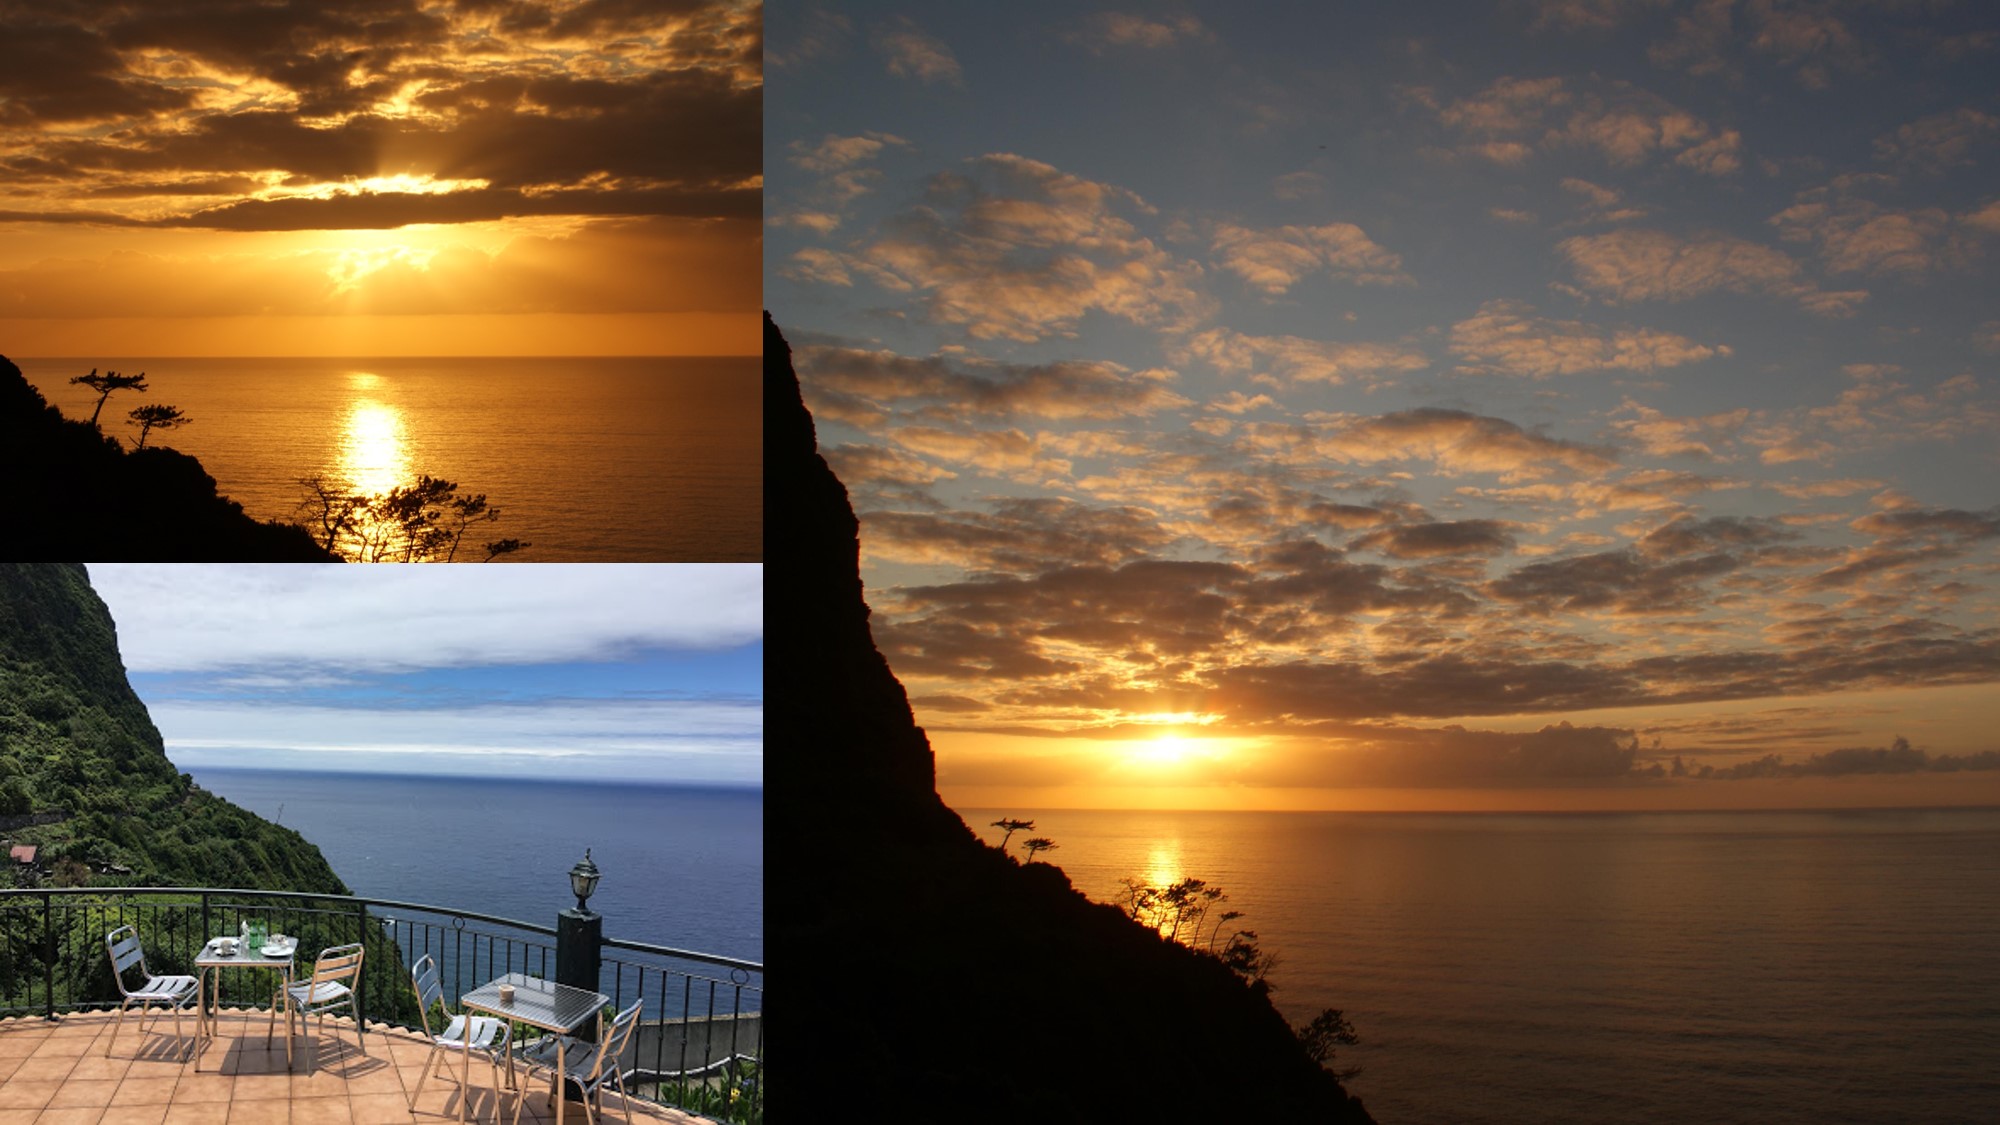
x=278 y=950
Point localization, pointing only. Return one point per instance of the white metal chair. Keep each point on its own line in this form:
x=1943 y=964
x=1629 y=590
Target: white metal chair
x=330 y=986
x=488 y=1034
x=176 y=992
x=591 y=1066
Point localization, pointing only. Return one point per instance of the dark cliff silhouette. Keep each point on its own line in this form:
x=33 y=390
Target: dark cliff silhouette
x=930 y=977
x=69 y=491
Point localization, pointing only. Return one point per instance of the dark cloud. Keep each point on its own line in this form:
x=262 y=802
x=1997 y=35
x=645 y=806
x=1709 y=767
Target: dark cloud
x=1068 y=389
x=556 y=115
x=1686 y=535
x=1897 y=758
x=1430 y=540
x=1022 y=535
x=1624 y=582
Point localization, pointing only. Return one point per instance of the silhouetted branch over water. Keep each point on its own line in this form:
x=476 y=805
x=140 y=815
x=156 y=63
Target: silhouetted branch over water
x=425 y=521
x=156 y=416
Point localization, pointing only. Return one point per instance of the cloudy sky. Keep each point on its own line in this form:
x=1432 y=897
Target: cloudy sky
x=600 y=671
x=1341 y=398
x=369 y=177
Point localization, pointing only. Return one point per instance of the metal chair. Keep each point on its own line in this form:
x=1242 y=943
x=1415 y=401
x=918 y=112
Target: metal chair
x=176 y=992
x=488 y=1034
x=590 y=1065
x=328 y=988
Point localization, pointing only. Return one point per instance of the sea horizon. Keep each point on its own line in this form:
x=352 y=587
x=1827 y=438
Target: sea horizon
x=659 y=845
x=586 y=458
x=1585 y=964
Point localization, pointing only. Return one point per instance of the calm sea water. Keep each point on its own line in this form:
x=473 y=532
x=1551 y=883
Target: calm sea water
x=1786 y=967
x=683 y=867
x=590 y=460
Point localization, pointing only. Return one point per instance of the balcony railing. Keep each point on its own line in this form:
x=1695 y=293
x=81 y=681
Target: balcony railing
x=699 y=1045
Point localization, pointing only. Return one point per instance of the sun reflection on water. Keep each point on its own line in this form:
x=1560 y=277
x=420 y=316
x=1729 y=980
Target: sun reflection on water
x=373 y=458
x=1163 y=863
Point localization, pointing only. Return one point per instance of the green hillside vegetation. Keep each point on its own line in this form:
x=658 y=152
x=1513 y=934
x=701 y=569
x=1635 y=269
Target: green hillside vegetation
x=85 y=780
x=79 y=754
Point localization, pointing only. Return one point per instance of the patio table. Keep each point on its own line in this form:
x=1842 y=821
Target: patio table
x=209 y=964
x=555 y=1008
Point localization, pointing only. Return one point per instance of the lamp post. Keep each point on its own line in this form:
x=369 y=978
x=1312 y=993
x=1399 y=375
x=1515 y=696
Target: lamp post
x=580 y=937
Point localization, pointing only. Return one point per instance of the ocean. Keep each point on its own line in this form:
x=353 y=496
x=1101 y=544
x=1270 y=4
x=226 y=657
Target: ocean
x=1777 y=968
x=589 y=460
x=682 y=866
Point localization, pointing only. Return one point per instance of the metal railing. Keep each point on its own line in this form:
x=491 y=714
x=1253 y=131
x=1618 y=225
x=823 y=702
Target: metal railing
x=699 y=1045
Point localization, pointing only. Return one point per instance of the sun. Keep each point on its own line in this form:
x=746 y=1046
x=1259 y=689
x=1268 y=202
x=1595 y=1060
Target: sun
x=1163 y=751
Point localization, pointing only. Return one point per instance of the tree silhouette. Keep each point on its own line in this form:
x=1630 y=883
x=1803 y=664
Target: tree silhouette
x=1038 y=844
x=1328 y=1030
x=332 y=507
x=425 y=521
x=106 y=383
x=156 y=416
x=1012 y=826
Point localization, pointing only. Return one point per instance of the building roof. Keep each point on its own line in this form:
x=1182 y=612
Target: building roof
x=22 y=853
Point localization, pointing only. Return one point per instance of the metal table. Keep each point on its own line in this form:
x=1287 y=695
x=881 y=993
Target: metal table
x=209 y=964
x=555 y=1008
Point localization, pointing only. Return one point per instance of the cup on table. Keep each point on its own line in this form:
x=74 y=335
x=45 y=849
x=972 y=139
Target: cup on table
x=506 y=994
x=226 y=946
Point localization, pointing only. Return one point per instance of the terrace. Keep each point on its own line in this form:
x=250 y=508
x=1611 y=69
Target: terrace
x=697 y=1053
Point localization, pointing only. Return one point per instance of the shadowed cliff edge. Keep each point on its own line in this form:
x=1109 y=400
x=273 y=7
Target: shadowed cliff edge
x=69 y=491
x=930 y=976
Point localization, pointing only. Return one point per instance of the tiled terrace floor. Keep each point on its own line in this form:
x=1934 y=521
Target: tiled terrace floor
x=57 y=1073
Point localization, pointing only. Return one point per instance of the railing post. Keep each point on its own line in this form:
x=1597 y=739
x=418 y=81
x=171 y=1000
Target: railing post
x=49 y=954
x=580 y=955
x=361 y=978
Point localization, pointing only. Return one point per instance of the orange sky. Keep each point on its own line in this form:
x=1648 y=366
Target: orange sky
x=387 y=177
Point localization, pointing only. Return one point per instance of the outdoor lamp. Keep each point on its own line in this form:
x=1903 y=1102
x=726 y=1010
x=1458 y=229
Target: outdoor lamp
x=583 y=880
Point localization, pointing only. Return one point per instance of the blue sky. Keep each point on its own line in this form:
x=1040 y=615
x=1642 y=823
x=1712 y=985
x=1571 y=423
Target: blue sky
x=1324 y=395
x=599 y=672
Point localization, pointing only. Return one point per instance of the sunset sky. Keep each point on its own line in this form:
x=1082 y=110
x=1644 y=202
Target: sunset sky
x=379 y=177
x=1322 y=407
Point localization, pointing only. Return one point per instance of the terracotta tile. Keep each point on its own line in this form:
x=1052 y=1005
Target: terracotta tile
x=75 y=1115
x=27 y=1095
x=53 y=1068
x=378 y=1080
x=20 y=1044
x=93 y=1066
x=9 y=1065
x=257 y=1062
x=278 y=1112
x=321 y=1111
x=134 y=1115
x=74 y=1093
x=251 y=1087
x=144 y=1091
x=380 y=1109
x=80 y=1027
x=19 y=1116
x=200 y=1088
x=66 y=1048
x=319 y=1084
x=197 y=1113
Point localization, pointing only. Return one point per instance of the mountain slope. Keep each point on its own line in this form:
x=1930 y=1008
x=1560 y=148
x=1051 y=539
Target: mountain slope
x=84 y=774
x=68 y=491
x=932 y=977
